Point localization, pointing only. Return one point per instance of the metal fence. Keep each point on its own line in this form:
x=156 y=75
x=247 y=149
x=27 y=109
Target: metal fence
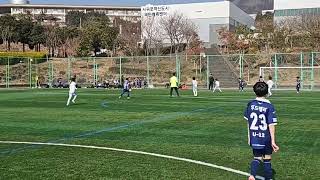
x=155 y=71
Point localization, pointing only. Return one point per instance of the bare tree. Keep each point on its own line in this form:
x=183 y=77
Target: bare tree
x=173 y=28
x=72 y=45
x=6 y=35
x=309 y=31
x=130 y=37
x=157 y=38
x=51 y=39
x=179 y=30
x=190 y=35
x=152 y=35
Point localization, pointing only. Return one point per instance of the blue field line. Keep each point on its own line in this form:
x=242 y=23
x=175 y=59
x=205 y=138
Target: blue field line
x=110 y=129
x=104 y=104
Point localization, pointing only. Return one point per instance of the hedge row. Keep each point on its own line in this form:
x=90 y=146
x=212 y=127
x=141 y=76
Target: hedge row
x=18 y=57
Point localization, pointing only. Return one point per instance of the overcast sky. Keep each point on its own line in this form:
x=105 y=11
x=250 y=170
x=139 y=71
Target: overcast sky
x=112 y=2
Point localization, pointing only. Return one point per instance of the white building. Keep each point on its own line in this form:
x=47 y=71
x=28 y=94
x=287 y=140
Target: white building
x=208 y=17
x=284 y=9
x=60 y=11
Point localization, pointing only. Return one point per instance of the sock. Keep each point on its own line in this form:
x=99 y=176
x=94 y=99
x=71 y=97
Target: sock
x=68 y=102
x=255 y=164
x=74 y=98
x=267 y=169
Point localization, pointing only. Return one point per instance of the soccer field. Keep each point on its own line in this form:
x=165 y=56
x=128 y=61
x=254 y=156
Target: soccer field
x=208 y=134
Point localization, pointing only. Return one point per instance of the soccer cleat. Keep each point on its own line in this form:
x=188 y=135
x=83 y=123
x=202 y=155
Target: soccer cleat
x=119 y=97
x=251 y=178
x=128 y=97
x=73 y=102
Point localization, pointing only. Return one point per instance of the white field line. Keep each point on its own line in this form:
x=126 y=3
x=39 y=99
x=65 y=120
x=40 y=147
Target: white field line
x=213 y=97
x=136 y=152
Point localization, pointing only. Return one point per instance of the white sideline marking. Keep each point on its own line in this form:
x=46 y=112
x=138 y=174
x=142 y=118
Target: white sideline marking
x=137 y=152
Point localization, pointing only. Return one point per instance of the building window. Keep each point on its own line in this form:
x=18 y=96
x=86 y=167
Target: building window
x=54 y=11
x=5 y=10
x=17 y=10
x=297 y=12
x=101 y=11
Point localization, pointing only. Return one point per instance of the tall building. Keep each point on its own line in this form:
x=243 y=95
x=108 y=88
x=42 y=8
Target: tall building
x=60 y=11
x=208 y=17
x=286 y=9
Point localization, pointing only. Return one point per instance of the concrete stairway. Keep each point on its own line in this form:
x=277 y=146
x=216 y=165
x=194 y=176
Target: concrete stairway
x=222 y=70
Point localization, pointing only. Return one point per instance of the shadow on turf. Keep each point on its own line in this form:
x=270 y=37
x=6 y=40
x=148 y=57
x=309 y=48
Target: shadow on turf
x=77 y=104
x=261 y=173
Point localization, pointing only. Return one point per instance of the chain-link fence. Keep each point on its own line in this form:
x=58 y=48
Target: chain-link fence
x=155 y=71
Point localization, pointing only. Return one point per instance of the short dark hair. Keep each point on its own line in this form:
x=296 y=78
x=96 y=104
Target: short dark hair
x=127 y=78
x=260 y=76
x=270 y=78
x=73 y=79
x=174 y=73
x=194 y=78
x=261 y=89
x=298 y=77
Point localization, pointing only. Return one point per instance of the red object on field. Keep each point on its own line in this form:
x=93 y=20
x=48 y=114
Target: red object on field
x=184 y=87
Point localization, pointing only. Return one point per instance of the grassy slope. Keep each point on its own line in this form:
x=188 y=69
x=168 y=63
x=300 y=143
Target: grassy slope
x=209 y=128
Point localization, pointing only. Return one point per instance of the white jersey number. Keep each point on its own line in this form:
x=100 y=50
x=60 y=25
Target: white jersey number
x=262 y=118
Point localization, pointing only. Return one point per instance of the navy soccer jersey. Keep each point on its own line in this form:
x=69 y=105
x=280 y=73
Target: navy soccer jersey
x=298 y=83
x=260 y=113
x=126 y=85
x=241 y=83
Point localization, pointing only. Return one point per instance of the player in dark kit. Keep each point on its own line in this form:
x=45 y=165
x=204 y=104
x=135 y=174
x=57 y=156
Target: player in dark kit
x=261 y=79
x=261 y=117
x=211 y=82
x=241 y=84
x=298 y=84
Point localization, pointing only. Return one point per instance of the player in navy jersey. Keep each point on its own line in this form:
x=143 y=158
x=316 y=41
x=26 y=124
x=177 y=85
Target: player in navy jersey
x=298 y=84
x=261 y=117
x=241 y=84
x=261 y=79
x=126 y=89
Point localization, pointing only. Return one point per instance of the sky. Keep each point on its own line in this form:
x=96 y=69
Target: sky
x=111 y=2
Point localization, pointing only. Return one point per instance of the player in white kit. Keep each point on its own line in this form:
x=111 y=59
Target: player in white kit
x=217 y=86
x=270 y=85
x=194 y=86
x=72 y=91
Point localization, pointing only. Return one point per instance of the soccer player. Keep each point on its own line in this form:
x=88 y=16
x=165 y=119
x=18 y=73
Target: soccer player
x=261 y=79
x=211 y=81
x=241 y=84
x=126 y=88
x=270 y=85
x=217 y=86
x=194 y=86
x=72 y=91
x=298 y=84
x=261 y=117
x=174 y=85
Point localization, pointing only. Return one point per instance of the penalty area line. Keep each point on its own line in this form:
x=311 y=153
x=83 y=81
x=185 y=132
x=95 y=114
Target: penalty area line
x=137 y=152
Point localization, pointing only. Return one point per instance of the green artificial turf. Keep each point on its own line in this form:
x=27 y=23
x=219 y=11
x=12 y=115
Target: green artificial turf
x=208 y=128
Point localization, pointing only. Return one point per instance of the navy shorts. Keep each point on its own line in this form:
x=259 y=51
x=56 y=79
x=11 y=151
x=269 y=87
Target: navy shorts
x=73 y=94
x=267 y=150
